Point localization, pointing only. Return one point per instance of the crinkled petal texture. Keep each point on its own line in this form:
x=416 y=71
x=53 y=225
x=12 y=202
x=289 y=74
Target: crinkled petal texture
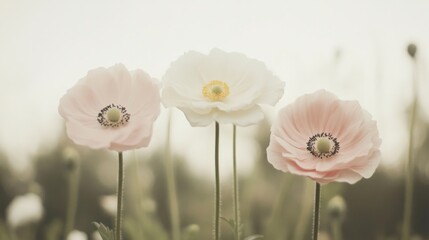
x=250 y=84
x=135 y=90
x=323 y=112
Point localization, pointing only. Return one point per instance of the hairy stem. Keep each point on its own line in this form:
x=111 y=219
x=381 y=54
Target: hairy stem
x=120 y=198
x=316 y=212
x=217 y=187
x=235 y=187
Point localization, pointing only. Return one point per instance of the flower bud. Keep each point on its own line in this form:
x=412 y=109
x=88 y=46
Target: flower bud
x=71 y=158
x=412 y=49
x=337 y=208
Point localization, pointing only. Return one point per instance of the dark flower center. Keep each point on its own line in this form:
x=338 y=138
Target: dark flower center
x=323 y=145
x=113 y=116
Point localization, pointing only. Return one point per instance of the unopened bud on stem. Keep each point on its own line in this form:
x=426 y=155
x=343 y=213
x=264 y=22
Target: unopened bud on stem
x=412 y=50
x=337 y=208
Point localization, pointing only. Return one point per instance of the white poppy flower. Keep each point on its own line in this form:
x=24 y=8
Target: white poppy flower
x=24 y=209
x=223 y=87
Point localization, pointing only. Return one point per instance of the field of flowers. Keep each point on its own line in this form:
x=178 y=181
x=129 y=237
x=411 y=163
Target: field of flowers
x=222 y=144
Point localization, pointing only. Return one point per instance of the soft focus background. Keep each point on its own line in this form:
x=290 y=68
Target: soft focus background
x=356 y=49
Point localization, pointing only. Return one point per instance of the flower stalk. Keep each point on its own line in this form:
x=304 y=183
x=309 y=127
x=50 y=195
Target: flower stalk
x=316 y=215
x=409 y=174
x=171 y=186
x=118 y=232
x=73 y=194
x=336 y=212
x=217 y=187
x=235 y=194
x=336 y=229
x=409 y=179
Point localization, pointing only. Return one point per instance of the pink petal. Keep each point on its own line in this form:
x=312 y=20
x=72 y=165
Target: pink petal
x=144 y=96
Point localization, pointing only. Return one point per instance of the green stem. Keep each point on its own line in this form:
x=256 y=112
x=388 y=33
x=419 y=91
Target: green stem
x=73 y=193
x=217 y=189
x=409 y=179
x=316 y=212
x=171 y=186
x=336 y=230
x=120 y=198
x=409 y=175
x=236 y=201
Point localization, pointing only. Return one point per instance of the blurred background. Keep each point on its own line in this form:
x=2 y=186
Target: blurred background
x=356 y=49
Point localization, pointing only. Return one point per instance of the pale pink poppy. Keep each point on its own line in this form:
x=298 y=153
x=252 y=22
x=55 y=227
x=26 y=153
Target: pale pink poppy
x=111 y=108
x=325 y=139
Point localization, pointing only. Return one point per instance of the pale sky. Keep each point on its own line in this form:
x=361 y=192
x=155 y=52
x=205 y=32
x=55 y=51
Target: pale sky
x=46 y=46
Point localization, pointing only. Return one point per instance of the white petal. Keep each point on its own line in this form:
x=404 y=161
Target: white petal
x=241 y=118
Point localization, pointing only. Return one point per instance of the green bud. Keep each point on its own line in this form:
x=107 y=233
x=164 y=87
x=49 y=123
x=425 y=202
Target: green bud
x=337 y=208
x=412 y=49
x=71 y=158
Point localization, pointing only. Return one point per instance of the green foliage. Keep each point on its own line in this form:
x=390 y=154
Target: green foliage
x=144 y=228
x=232 y=223
x=105 y=232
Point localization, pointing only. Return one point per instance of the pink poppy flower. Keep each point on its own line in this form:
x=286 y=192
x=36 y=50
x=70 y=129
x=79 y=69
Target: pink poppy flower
x=325 y=139
x=111 y=108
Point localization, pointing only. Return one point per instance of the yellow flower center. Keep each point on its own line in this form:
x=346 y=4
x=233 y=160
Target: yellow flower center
x=113 y=115
x=216 y=90
x=323 y=145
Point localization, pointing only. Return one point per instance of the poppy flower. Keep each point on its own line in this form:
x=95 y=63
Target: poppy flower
x=326 y=139
x=111 y=108
x=223 y=87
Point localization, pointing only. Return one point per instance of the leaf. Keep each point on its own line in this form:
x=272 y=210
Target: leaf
x=230 y=222
x=254 y=237
x=105 y=232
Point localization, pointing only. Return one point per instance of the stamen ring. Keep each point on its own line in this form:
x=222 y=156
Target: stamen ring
x=113 y=115
x=323 y=145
